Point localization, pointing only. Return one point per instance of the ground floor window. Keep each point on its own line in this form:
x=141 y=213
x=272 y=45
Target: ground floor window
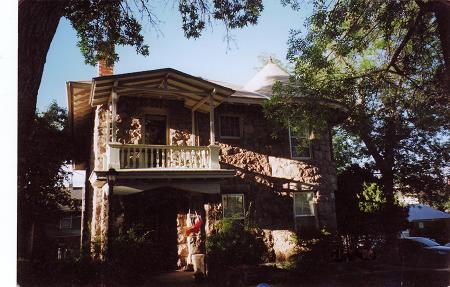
x=304 y=211
x=233 y=206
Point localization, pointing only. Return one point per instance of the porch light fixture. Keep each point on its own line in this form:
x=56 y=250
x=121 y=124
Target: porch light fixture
x=111 y=176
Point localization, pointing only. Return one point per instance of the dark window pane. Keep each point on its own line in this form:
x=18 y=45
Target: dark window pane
x=300 y=145
x=233 y=206
x=230 y=126
x=155 y=130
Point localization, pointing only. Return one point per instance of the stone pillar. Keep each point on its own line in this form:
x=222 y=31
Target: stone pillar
x=182 y=241
x=96 y=222
x=100 y=222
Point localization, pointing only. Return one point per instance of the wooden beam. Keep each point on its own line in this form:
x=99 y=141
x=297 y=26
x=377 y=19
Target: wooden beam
x=156 y=89
x=201 y=102
x=193 y=136
x=114 y=100
x=212 y=134
x=163 y=84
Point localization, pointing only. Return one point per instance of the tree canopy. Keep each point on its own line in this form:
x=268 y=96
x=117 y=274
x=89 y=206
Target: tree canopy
x=393 y=92
x=42 y=175
x=102 y=25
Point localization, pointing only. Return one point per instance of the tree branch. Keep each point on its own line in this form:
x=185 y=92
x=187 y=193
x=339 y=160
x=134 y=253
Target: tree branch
x=408 y=36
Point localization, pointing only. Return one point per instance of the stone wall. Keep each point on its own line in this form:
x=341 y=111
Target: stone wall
x=262 y=161
x=132 y=111
x=261 y=157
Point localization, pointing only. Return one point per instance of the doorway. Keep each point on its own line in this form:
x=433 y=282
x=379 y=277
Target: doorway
x=155 y=128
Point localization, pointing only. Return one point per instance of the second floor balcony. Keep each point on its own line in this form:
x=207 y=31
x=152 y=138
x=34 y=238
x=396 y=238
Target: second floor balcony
x=158 y=157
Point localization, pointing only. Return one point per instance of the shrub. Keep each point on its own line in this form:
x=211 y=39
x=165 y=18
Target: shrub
x=315 y=252
x=134 y=254
x=233 y=244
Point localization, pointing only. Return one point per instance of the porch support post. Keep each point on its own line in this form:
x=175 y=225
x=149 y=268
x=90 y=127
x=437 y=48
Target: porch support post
x=114 y=100
x=107 y=125
x=193 y=136
x=212 y=135
x=105 y=221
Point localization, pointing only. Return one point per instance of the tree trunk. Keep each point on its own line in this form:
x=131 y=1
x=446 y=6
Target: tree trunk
x=441 y=9
x=38 y=21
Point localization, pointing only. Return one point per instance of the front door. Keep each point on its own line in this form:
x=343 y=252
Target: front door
x=155 y=130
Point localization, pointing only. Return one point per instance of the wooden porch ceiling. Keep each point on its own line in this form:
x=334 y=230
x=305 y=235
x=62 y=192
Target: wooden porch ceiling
x=163 y=83
x=78 y=97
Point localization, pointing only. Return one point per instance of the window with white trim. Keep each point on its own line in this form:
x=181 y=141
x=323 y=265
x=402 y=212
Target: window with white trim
x=304 y=211
x=70 y=221
x=65 y=222
x=233 y=206
x=304 y=204
x=300 y=144
x=230 y=127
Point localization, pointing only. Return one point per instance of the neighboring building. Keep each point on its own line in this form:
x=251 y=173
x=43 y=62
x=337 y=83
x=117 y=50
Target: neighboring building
x=160 y=146
x=429 y=222
x=63 y=227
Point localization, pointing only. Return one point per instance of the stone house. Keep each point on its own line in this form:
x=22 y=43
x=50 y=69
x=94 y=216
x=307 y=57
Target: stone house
x=162 y=146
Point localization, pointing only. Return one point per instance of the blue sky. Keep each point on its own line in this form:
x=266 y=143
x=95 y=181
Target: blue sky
x=206 y=57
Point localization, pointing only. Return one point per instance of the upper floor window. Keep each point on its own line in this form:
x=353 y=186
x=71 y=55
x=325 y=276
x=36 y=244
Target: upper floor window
x=155 y=129
x=230 y=126
x=233 y=206
x=300 y=144
x=65 y=223
x=69 y=221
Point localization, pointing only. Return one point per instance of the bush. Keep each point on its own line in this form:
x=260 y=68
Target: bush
x=315 y=252
x=62 y=272
x=233 y=244
x=134 y=254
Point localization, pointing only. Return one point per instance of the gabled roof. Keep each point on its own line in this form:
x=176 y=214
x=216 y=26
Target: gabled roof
x=166 y=83
x=423 y=212
x=263 y=81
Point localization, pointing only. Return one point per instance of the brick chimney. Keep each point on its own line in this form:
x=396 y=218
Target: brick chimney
x=103 y=69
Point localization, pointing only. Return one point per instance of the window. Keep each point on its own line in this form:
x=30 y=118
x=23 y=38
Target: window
x=304 y=204
x=230 y=127
x=233 y=206
x=65 y=222
x=304 y=211
x=155 y=130
x=70 y=221
x=300 y=144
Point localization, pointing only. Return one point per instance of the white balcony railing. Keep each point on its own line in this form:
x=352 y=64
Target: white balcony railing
x=130 y=156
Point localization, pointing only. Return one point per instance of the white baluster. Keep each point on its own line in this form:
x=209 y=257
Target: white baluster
x=145 y=158
x=128 y=157
x=163 y=157
x=157 y=157
x=151 y=157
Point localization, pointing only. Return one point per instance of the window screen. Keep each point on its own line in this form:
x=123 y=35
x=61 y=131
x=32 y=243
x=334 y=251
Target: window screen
x=65 y=223
x=230 y=127
x=300 y=144
x=304 y=204
x=233 y=206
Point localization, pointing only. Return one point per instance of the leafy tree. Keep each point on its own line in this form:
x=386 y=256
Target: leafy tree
x=101 y=25
x=385 y=11
x=347 y=150
x=361 y=210
x=354 y=59
x=43 y=174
